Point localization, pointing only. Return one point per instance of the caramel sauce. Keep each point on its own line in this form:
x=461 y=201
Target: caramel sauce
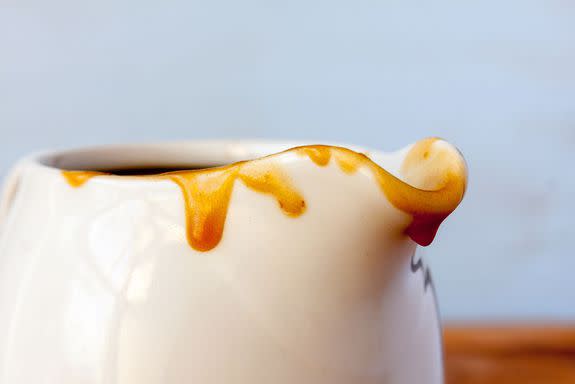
x=206 y=197
x=435 y=181
x=79 y=178
x=439 y=178
x=266 y=177
x=433 y=186
x=319 y=154
x=349 y=161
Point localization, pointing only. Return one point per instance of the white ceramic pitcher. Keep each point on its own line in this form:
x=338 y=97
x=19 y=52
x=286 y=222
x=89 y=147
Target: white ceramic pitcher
x=297 y=267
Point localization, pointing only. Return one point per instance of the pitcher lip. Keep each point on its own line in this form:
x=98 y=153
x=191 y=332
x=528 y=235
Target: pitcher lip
x=427 y=189
x=231 y=151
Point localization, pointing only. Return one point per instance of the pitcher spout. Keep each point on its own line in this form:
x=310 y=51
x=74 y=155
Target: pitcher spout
x=426 y=180
x=434 y=178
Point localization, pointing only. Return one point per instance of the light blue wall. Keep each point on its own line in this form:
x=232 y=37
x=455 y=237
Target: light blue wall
x=497 y=78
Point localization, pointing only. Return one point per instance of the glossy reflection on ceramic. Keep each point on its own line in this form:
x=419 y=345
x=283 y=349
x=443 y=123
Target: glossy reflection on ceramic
x=102 y=282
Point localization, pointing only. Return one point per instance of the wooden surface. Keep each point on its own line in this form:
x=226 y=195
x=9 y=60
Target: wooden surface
x=523 y=354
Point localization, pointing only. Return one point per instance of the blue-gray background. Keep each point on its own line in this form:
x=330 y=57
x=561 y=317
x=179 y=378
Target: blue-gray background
x=496 y=78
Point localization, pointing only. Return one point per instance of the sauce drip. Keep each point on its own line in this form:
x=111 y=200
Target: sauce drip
x=79 y=178
x=434 y=183
x=206 y=197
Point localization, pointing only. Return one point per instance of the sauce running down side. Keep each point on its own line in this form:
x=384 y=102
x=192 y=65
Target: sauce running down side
x=435 y=181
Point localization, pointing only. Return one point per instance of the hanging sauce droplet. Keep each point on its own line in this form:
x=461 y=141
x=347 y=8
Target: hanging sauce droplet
x=206 y=198
x=434 y=174
x=439 y=177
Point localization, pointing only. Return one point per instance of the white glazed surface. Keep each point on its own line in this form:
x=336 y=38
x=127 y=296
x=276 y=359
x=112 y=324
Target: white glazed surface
x=99 y=286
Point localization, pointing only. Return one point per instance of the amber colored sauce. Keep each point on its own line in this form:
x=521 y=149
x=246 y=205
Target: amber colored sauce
x=319 y=154
x=207 y=196
x=439 y=177
x=434 y=185
x=79 y=178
